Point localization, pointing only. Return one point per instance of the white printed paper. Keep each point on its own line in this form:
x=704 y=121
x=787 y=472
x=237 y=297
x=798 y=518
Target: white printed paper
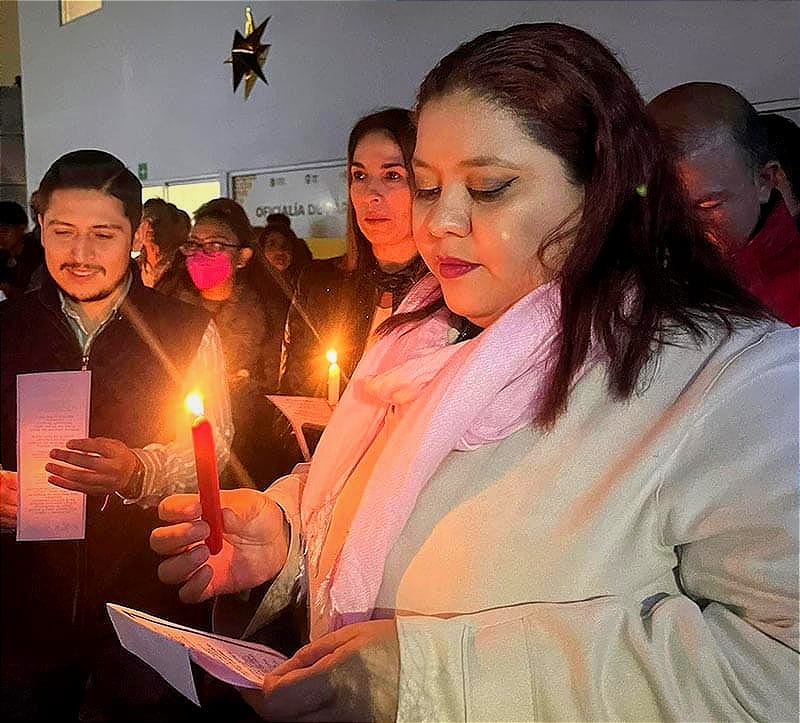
x=52 y=408
x=303 y=410
x=169 y=649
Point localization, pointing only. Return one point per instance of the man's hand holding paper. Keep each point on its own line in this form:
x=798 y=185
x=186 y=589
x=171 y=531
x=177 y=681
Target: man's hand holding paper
x=96 y=466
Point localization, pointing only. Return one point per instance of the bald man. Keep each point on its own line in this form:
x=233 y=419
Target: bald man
x=725 y=164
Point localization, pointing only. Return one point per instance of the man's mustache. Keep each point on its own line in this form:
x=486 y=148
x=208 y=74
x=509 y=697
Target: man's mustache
x=83 y=267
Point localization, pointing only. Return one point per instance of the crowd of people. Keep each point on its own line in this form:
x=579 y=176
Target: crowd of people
x=561 y=482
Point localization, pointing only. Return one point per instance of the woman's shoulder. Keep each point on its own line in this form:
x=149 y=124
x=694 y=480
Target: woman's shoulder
x=755 y=342
x=770 y=347
x=760 y=356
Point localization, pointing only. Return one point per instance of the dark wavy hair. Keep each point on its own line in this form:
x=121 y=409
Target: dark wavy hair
x=638 y=266
x=229 y=213
x=91 y=169
x=397 y=124
x=168 y=224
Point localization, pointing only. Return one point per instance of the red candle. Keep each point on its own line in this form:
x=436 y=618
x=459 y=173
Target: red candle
x=205 y=460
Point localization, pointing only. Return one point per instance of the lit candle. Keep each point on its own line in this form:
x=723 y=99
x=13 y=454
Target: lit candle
x=205 y=460
x=334 y=375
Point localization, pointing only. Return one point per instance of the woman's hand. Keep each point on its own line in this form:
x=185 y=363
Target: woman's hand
x=8 y=501
x=352 y=674
x=254 y=548
x=100 y=466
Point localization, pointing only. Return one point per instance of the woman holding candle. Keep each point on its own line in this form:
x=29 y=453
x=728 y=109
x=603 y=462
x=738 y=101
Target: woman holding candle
x=538 y=499
x=339 y=302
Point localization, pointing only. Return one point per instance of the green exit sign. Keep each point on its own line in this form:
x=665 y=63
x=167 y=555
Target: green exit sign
x=142 y=171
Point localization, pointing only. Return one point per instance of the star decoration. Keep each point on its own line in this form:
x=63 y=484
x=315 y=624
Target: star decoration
x=248 y=54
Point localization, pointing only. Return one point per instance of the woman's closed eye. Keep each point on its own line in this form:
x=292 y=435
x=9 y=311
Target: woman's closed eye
x=427 y=194
x=492 y=193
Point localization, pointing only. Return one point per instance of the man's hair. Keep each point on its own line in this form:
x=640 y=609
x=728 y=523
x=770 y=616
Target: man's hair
x=783 y=135
x=93 y=170
x=12 y=214
x=692 y=113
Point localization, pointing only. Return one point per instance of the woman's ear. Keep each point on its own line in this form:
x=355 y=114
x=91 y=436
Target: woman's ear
x=245 y=254
x=142 y=230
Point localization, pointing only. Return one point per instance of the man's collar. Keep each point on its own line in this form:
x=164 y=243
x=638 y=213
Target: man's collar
x=71 y=308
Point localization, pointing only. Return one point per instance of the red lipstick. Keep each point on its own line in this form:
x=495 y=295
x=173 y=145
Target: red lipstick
x=452 y=268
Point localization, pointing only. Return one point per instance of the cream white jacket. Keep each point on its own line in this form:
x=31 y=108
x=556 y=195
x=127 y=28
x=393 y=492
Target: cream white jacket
x=638 y=562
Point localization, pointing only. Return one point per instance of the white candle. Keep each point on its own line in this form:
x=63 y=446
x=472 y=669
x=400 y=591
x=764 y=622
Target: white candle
x=334 y=376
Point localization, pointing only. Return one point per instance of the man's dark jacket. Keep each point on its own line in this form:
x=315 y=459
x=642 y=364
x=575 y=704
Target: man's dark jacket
x=53 y=593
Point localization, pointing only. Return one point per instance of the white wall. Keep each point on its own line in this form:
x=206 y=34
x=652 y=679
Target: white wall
x=146 y=80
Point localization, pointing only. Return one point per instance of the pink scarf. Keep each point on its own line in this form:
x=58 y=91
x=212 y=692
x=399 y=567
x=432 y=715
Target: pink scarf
x=446 y=397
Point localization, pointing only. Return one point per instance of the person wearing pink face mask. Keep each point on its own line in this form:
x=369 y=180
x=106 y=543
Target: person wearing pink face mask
x=217 y=270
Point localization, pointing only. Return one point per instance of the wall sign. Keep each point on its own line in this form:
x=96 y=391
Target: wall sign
x=313 y=196
x=73 y=9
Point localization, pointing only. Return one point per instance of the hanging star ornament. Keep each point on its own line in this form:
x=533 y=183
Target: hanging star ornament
x=248 y=54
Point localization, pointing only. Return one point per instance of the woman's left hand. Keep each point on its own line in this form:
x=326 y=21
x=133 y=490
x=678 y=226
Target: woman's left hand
x=352 y=674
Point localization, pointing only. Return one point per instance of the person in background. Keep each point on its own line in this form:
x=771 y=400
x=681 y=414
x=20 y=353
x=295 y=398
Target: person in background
x=339 y=302
x=727 y=169
x=783 y=136
x=302 y=251
x=20 y=252
x=60 y=657
x=34 y=237
x=216 y=271
x=286 y=253
x=161 y=233
x=563 y=483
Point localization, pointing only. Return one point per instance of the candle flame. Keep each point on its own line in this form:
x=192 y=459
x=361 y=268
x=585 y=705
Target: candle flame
x=331 y=356
x=194 y=403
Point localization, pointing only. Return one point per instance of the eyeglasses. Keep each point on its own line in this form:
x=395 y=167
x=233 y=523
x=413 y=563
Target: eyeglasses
x=209 y=248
